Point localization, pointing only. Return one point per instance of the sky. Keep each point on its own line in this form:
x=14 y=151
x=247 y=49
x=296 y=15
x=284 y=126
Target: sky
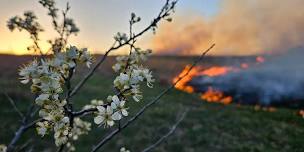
x=98 y=20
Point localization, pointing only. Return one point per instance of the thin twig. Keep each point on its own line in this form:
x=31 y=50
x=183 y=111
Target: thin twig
x=17 y=136
x=22 y=147
x=171 y=131
x=14 y=105
x=90 y=73
x=34 y=111
x=32 y=124
x=130 y=41
x=144 y=108
x=155 y=21
x=84 y=111
x=29 y=113
x=19 y=132
x=25 y=125
x=35 y=41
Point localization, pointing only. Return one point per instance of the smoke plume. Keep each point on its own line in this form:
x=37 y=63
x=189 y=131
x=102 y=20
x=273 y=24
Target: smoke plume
x=279 y=80
x=241 y=27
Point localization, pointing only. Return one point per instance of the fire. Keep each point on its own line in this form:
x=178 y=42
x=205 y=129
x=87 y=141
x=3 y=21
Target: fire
x=196 y=71
x=216 y=96
x=217 y=71
x=182 y=84
x=211 y=95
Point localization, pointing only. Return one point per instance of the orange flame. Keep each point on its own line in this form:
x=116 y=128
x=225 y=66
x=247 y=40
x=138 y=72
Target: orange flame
x=216 y=96
x=182 y=84
x=211 y=95
x=217 y=71
x=196 y=71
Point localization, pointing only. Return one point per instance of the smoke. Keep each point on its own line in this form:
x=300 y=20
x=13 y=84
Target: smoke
x=278 y=80
x=241 y=27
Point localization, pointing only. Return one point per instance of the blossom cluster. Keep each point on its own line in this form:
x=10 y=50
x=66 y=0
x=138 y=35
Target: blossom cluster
x=48 y=77
x=68 y=25
x=107 y=115
x=50 y=5
x=134 y=18
x=127 y=84
x=28 y=23
x=80 y=127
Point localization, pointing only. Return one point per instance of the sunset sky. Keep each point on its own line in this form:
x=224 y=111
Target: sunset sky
x=238 y=27
x=98 y=20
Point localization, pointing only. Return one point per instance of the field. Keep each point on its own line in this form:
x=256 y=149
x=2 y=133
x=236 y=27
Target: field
x=207 y=127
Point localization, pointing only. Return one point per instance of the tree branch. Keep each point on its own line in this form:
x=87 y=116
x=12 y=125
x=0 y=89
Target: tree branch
x=171 y=131
x=22 y=147
x=23 y=127
x=19 y=132
x=84 y=112
x=143 y=109
x=32 y=124
x=163 y=13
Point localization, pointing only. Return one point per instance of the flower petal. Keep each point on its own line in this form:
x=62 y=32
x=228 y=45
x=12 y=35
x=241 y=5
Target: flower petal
x=110 y=122
x=115 y=98
x=124 y=112
x=109 y=110
x=98 y=119
x=25 y=81
x=116 y=116
x=101 y=109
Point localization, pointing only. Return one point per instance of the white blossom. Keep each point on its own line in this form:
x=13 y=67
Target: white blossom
x=80 y=127
x=41 y=98
x=61 y=103
x=72 y=53
x=70 y=147
x=104 y=116
x=59 y=59
x=122 y=81
x=86 y=57
x=148 y=76
x=119 y=106
x=121 y=37
x=136 y=76
x=137 y=97
x=28 y=71
x=94 y=104
x=42 y=128
x=123 y=149
x=61 y=129
x=117 y=67
x=47 y=77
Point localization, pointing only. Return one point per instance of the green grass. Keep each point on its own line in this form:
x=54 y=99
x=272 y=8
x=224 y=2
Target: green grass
x=207 y=127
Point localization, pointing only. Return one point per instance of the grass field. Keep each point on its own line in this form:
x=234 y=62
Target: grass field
x=207 y=127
